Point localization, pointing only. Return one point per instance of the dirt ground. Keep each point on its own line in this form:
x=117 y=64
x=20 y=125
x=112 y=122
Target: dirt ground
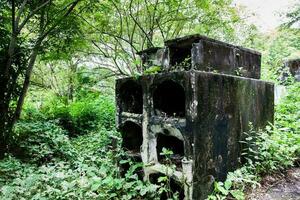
x=284 y=186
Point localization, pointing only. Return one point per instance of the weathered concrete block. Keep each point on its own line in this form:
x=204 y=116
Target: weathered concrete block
x=205 y=54
x=294 y=68
x=152 y=57
x=199 y=115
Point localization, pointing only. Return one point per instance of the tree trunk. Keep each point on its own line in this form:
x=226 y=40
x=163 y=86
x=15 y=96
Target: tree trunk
x=71 y=89
x=9 y=74
x=26 y=83
x=3 y=127
x=5 y=114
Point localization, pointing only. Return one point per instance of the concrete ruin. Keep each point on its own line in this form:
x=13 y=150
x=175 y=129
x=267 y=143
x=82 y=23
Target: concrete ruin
x=199 y=111
x=294 y=68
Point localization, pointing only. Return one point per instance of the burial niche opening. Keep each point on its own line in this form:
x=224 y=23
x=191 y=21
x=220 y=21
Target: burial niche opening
x=169 y=99
x=170 y=143
x=173 y=186
x=131 y=97
x=181 y=52
x=181 y=57
x=132 y=137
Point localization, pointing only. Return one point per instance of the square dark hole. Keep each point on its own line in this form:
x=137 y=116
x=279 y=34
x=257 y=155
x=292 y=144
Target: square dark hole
x=169 y=99
x=131 y=97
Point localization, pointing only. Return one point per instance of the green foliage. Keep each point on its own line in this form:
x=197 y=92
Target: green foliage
x=79 y=117
x=87 y=114
x=12 y=168
x=278 y=147
x=31 y=113
x=46 y=164
x=92 y=174
x=222 y=190
x=82 y=181
x=84 y=115
x=288 y=111
x=294 y=15
x=272 y=150
x=282 y=45
x=152 y=70
x=40 y=142
x=122 y=28
x=27 y=28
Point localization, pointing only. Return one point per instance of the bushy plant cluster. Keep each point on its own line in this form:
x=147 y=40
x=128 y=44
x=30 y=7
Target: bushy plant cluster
x=79 y=180
x=41 y=141
x=46 y=163
x=78 y=117
x=288 y=111
x=90 y=172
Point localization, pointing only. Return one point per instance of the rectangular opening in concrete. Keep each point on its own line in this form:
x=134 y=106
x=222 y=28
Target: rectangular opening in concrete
x=169 y=99
x=180 y=51
x=173 y=186
x=131 y=97
x=152 y=57
x=132 y=137
x=181 y=57
x=165 y=140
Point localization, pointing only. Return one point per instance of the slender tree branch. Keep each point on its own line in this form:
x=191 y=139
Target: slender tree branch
x=21 y=10
x=30 y=15
x=138 y=24
x=13 y=17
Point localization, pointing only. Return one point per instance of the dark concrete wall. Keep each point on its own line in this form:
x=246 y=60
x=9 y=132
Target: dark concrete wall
x=226 y=106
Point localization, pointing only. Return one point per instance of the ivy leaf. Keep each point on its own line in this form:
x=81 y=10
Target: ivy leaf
x=228 y=184
x=143 y=191
x=219 y=187
x=238 y=194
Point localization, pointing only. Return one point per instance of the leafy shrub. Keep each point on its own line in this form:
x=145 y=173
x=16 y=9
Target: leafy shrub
x=12 y=168
x=62 y=114
x=106 y=111
x=62 y=181
x=92 y=174
x=274 y=149
x=84 y=115
x=31 y=113
x=40 y=142
x=288 y=111
x=88 y=114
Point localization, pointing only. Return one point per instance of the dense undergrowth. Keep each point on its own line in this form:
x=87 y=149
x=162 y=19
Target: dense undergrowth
x=65 y=152
x=73 y=151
